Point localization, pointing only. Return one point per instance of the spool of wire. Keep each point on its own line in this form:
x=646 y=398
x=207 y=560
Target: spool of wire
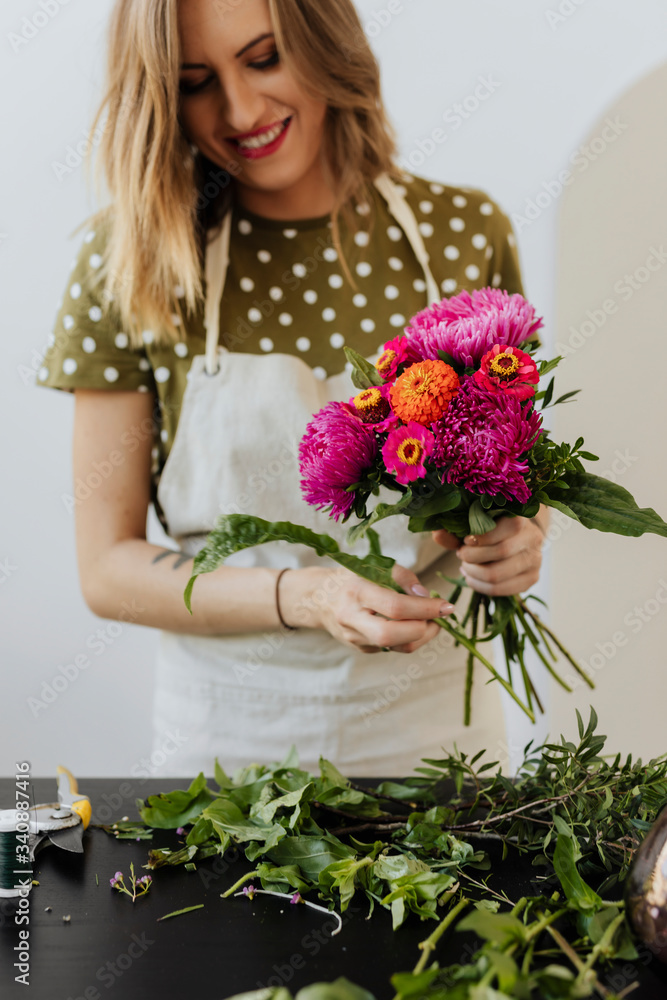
x=17 y=836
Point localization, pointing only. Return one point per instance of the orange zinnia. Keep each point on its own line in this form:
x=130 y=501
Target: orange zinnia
x=424 y=391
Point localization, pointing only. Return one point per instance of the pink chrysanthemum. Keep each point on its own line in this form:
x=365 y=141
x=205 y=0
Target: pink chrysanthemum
x=468 y=325
x=482 y=441
x=405 y=451
x=334 y=453
x=509 y=370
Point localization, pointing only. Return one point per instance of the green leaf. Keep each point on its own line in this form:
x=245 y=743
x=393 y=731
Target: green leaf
x=234 y=532
x=311 y=854
x=480 y=522
x=577 y=892
x=557 y=505
x=173 y=809
x=381 y=511
x=501 y=928
x=606 y=506
x=178 y=913
x=364 y=374
x=341 y=989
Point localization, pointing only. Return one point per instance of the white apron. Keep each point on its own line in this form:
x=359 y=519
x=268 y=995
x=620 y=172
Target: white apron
x=247 y=697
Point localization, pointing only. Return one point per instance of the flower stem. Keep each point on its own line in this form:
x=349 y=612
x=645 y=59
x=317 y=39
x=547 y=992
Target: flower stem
x=244 y=878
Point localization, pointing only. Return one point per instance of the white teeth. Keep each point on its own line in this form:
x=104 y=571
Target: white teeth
x=257 y=141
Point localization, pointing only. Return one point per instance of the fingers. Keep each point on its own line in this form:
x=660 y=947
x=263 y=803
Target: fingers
x=447 y=540
x=401 y=606
x=399 y=636
x=514 y=585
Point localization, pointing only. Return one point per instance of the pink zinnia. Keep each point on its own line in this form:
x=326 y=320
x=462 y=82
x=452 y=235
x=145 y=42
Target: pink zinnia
x=405 y=451
x=482 y=441
x=397 y=353
x=334 y=453
x=509 y=370
x=468 y=325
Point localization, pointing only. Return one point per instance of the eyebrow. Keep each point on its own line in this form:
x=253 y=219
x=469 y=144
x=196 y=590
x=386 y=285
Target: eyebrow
x=260 y=38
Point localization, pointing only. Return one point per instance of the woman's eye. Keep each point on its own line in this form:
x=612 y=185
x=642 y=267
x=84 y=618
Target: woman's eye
x=266 y=63
x=186 y=87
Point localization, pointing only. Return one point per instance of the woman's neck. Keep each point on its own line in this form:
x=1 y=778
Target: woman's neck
x=309 y=199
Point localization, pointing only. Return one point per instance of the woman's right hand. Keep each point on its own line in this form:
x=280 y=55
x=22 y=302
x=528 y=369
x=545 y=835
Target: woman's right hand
x=362 y=614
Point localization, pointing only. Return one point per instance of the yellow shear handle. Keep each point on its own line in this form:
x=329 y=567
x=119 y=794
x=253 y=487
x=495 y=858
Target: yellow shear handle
x=82 y=805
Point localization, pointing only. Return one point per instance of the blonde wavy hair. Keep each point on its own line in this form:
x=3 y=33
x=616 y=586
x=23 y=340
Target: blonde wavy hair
x=166 y=196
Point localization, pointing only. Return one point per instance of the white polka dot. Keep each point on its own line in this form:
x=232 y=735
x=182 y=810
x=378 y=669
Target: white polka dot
x=88 y=345
x=95 y=313
x=363 y=269
x=162 y=374
x=360 y=300
x=398 y=319
x=264 y=256
x=299 y=270
x=330 y=254
x=426 y=207
x=488 y=253
x=364 y=208
x=419 y=285
x=362 y=239
x=164 y=434
x=391 y=292
x=275 y=293
x=436 y=188
x=289 y=233
x=68 y=322
x=247 y=284
x=452 y=253
x=75 y=290
x=511 y=239
x=147 y=336
x=179 y=291
x=459 y=201
x=368 y=325
x=458 y=225
x=497 y=278
x=245 y=227
x=319 y=373
x=310 y=296
x=426 y=229
x=449 y=285
x=394 y=233
x=111 y=374
x=43 y=374
x=89 y=237
x=69 y=366
x=395 y=263
x=401 y=191
x=142 y=388
x=479 y=241
x=336 y=340
x=266 y=344
x=486 y=208
x=121 y=340
x=144 y=365
x=328 y=314
x=95 y=260
x=175 y=319
x=181 y=349
x=285 y=319
x=472 y=272
x=335 y=280
x=303 y=344
x=254 y=315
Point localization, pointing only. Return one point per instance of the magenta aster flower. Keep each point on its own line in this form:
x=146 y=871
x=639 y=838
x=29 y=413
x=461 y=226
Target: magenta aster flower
x=482 y=441
x=468 y=325
x=405 y=451
x=507 y=369
x=336 y=450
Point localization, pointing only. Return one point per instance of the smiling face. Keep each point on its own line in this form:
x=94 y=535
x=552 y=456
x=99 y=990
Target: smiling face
x=245 y=111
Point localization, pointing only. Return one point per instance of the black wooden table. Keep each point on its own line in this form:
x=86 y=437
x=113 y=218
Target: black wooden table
x=111 y=947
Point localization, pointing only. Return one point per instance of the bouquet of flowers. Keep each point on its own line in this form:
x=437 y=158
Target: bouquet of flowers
x=450 y=418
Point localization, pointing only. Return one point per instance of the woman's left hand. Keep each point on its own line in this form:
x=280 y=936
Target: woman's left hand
x=504 y=561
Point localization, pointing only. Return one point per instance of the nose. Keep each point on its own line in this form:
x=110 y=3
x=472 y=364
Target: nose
x=242 y=107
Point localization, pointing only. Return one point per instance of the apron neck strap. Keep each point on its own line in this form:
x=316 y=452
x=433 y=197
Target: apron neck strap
x=217 y=262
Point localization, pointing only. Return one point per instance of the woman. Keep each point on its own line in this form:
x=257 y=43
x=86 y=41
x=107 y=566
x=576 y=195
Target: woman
x=258 y=224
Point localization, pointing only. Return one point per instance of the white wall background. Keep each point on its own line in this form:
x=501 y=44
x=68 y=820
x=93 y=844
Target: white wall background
x=554 y=67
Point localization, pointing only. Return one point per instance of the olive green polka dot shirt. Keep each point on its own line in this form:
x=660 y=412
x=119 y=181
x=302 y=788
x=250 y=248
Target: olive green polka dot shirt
x=286 y=291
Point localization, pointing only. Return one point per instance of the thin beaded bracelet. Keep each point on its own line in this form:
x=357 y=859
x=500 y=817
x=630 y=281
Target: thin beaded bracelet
x=292 y=628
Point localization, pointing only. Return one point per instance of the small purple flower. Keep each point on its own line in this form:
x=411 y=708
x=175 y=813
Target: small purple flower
x=180 y=831
x=113 y=882
x=144 y=879
x=296 y=898
x=249 y=890
x=119 y=876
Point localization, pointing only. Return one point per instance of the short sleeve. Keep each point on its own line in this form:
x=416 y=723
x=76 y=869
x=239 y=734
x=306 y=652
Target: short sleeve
x=88 y=348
